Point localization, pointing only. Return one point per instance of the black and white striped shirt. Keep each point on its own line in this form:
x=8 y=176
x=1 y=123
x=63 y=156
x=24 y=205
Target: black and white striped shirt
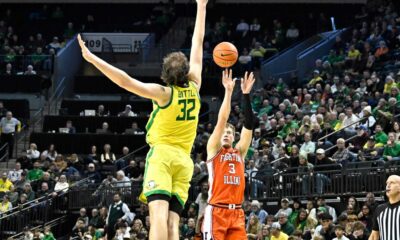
x=387 y=221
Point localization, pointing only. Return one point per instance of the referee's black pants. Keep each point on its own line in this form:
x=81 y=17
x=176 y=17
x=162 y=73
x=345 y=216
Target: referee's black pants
x=7 y=138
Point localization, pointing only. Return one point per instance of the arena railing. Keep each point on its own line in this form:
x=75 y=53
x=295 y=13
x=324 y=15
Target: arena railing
x=341 y=129
x=4 y=149
x=354 y=178
x=34 y=213
x=52 y=224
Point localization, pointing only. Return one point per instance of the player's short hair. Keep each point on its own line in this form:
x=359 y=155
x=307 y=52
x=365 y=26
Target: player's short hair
x=175 y=69
x=228 y=125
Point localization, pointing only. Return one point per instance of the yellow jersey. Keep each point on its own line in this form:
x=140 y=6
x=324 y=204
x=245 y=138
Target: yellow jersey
x=175 y=124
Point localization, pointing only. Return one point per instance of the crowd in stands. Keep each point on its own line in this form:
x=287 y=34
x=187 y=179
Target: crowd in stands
x=352 y=96
x=25 y=50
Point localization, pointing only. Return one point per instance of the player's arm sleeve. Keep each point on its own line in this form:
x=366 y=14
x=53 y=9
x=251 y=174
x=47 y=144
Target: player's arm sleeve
x=248 y=113
x=248 y=125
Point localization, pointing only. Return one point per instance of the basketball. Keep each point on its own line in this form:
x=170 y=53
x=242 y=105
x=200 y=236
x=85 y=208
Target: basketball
x=225 y=54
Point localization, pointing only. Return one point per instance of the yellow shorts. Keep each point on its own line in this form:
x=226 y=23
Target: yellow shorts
x=168 y=171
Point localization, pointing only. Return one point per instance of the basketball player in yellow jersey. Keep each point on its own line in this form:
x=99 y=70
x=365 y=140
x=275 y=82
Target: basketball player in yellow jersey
x=171 y=129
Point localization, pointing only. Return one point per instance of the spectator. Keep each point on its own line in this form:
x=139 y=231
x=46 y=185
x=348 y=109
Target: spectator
x=392 y=149
x=331 y=211
x=48 y=235
x=284 y=208
x=243 y=26
x=19 y=184
x=253 y=227
x=29 y=192
x=30 y=70
x=348 y=122
x=123 y=182
x=365 y=216
x=359 y=232
x=96 y=220
x=5 y=205
x=308 y=147
x=101 y=112
x=304 y=173
x=322 y=164
x=5 y=184
x=46 y=178
x=370 y=200
x=292 y=34
x=28 y=235
x=71 y=128
x=50 y=153
x=62 y=184
x=8 y=127
x=286 y=226
x=276 y=233
x=134 y=129
x=257 y=54
x=117 y=212
x=3 y=110
x=339 y=231
x=342 y=155
x=382 y=51
x=93 y=157
x=245 y=60
x=190 y=231
x=108 y=182
x=44 y=190
x=326 y=229
x=258 y=211
x=127 y=112
x=301 y=220
x=36 y=173
x=9 y=71
x=381 y=137
x=32 y=153
x=134 y=172
x=15 y=175
x=69 y=32
x=104 y=129
x=315 y=79
x=55 y=44
x=83 y=217
x=124 y=159
x=78 y=230
x=107 y=157
x=92 y=174
x=75 y=162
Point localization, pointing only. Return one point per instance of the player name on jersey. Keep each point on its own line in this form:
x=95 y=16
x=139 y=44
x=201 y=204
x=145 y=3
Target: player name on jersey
x=186 y=93
x=231 y=180
x=231 y=157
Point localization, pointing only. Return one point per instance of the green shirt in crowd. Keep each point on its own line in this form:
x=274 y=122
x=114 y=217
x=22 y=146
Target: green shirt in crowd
x=35 y=174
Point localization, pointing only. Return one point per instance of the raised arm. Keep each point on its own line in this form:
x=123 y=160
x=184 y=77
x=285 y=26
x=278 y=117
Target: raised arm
x=214 y=142
x=152 y=91
x=196 y=52
x=247 y=130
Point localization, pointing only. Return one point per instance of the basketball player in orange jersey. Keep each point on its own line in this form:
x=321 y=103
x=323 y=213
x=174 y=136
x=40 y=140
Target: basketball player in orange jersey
x=171 y=129
x=224 y=217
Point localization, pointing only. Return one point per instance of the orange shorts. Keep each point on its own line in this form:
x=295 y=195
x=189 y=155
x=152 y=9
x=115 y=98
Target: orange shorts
x=223 y=224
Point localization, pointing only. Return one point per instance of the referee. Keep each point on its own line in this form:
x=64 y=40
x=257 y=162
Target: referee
x=8 y=127
x=386 y=221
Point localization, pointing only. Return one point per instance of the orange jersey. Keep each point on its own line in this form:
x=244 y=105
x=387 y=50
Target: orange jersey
x=226 y=177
